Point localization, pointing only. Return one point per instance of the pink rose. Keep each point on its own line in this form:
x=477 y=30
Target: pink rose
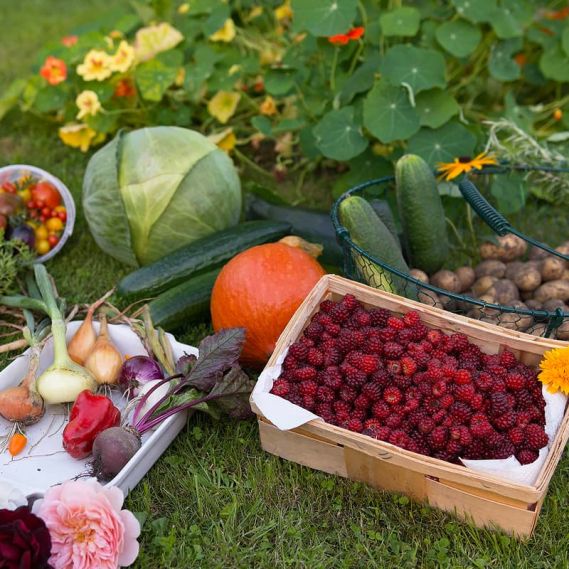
x=87 y=526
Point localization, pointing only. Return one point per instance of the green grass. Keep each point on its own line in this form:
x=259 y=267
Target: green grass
x=216 y=499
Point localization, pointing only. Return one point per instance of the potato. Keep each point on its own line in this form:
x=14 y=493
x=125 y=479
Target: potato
x=565 y=276
x=483 y=284
x=526 y=294
x=466 y=276
x=419 y=275
x=504 y=291
x=509 y=247
x=553 y=268
x=512 y=269
x=480 y=312
x=562 y=333
x=537 y=254
x=553 y=304
x=449 y=303
x=538 y=330
x=533 y=304
x=446 y=280
x=553 y=289
x=491 y=268
x=429 y=298
x=527 y=278
x=514 y=322
x=563 y=248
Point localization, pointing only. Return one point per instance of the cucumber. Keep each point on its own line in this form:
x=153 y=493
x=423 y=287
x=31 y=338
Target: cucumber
x=383 y=211
x=198 y=257
x=313 y=225
x=186 y=303
x=370 y=233
x=421 y=213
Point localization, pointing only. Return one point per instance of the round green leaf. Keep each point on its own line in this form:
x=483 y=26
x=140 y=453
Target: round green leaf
x=460 y=38
x=279 y=82
x=388 y=114
x=554 y=64
x=443 y=144
x=436 y=107
x=475 y=10
x=153 y=79
x=338 y=136
x=324 y=17
x=510 y=18
x=421 y=69
x=401 y=22
x=501 y=64
x=565 y=40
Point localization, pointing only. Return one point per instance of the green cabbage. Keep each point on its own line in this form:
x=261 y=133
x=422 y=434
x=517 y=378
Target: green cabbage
x=153 y=190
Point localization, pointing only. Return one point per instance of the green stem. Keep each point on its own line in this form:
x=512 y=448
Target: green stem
x=471 y=224
x=333 y=70
x=356 y=57
x=248 y=162
x=455 y=231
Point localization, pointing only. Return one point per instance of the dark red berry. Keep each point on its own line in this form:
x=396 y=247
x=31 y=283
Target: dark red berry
x=305 y=373
x=394 y=420
x=408 y=365
x=462 y=377
x=380 y=410
x=536 y=437
x=325 y=394
x=465 y=392
x=507 y=359
x=392 y=395
x=347 y=393
x=327 y=305
x=379 y=316
x=412 y=318
x=527 y=456
x=395 y=323
x=281 y=387
x=354 y=425
x=308 y=388
x=517 y=436
x=372 y=390
x=515 y=381
x=341 y=407
x=314 y=331
x=438 y=437
x=315 y=357
x=362 y=402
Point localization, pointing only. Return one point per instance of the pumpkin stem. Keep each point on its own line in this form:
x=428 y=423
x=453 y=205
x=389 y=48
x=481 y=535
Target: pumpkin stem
x=313 y=249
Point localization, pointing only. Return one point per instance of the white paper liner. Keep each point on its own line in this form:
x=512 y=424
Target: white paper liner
x=285 y=416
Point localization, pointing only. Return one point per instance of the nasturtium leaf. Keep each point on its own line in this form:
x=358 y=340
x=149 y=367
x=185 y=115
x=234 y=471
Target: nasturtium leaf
x=435 y=107
x=153 y=79
x=418 y=68
x=50 y=99
x=361 y=80
x=403 y=21
x=289 y=125
x=522 y=116
x=475 y=10
x=102 y=122
x=307 y=142
x=510 y=193
x=501 y=64
x=554 y=64
x=443 y=144
x=216 y=19
x=364 y=167
x=565 y=40
x=324 y=17
x=338 y=136
x=279 y=82
x=460 y=38
x=510 y=18
x=388 y=113
x=262 y=124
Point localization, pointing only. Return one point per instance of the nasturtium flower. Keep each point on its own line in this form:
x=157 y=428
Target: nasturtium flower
x=223 y=105
x=284 y=11
x=352 y=35
x=152 y=40
x=268 y=107
x=226 y=33
x=557 y=114
x=69 y=41
x=116 y=35
x=555 y=370
x=255 y=12
x=96 y=66
x=78 y=136
x=123 y=57
x=54 y=70
x=225 y=139
x=125 y=88
x=88 y=104
x=183 y=8
x=463 y=165
x=356 y=33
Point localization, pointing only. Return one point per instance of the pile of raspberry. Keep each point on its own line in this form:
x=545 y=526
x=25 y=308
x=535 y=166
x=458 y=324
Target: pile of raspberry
x=394 y=379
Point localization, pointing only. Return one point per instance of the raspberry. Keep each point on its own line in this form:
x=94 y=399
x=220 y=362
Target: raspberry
x=462 y=435
x=290 y=362
x=503 y=450
x=359 y=414
x=295 y=398
x=524 y=399
x=435 y=337
x=327 y=306
x=411 y=405
x=345 y=341
x=372 y=423
x=365 y=362
x=460 y=412
x=339 y=314
x=476 y=450
x=527 y=456
x=446 y=400
x=362 y=402
x=515 y=381
x=307 y=342
x=395 y=323
x=306 y=373
x=421 y=359
x=498 y=372
x=383 y=433
x=406 y=336
x=314 y=331
x=362 y=318
x=484 y=381
x=387 y=334
x=380 y=410
x=354 y=425
x=333 y=329
x=399 y=438
x=332 y=357
x=341 y=407
x=372 y=391
x=412 y=318
x=498 y=386
x=505 y=421
x=380 y=377
x=350 y=302
x=393 y=367
x=352 y=376
x=392 y=350
x=408 y=365
x=477 y=402
x=332 y=377
x=341 y=417
x=315 y=357
x=462 y=377
x=298 y=351
x=439 y=388
x=419 y=331
x=425 y=425
x=324 y=393
x=373 y=345
x=481 y=429
x=394 y=420
x=507 y=359
x=308 y=388
x=359 y=338
x=536 y=437
x=464 y=392
x=516 y=435
x=499 y=404
x=459 y=342
x=379 y=316
x=370 y=431
x=281 y=387
x=392 y=395
x=322 y=318
x=438 y=437
x=347 y=393
x=434 y=373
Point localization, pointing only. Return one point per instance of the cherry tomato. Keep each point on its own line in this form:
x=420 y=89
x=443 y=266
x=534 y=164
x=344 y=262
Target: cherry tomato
x=60 y=208
x=42 y=246
x=54 y=224
x=39 y=203
x=46 y=211
x=34 y=214
x=62 y=215
x=9 y=187
x=44 y=218
x=31 y=204
x=47 y=193
x=53 y=240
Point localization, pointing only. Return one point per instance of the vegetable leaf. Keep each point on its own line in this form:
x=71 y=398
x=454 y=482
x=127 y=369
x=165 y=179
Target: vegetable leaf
x=459 y=38
x=231 y=393
x=475 y=10
x=554 y=64
x=436 y=107
x=324 y=17
x=501 y=64
x=403 y=21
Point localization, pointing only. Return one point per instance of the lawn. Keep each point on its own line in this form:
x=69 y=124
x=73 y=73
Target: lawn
x=215 y=499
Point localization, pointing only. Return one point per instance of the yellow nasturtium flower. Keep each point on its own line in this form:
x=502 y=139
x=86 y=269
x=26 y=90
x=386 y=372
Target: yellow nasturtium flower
x=88 y=104
x=284 y=11
x=226 y=33
x=255 y=12
x=268 y=107
x=78 y=136
x=225 y=139
x=223 y=105
x=183 y=8
x=95 y=66
x=123 y=57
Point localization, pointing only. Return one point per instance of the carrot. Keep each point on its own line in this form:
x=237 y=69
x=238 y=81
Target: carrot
x=17 y=444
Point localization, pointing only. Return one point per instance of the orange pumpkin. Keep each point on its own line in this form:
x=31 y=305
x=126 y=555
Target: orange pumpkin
x=259 y=290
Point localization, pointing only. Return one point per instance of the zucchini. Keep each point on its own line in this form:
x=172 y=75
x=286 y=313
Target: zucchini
x=198 y=257
x=370 y=233
x=421 y=213
x=310 y=224
x=186 y=303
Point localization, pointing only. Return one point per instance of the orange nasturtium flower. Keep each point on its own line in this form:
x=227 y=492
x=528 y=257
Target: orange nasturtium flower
x=69 y=41
x=54 y=70
x=352 y=35
x=558 y=14
x=521 y=58
x=557 y=114
x=464 y=164
x=125 y=88
x=268 y=107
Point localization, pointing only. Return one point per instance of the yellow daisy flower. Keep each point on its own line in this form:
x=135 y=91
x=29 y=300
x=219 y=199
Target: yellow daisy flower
x=463 y=165
x=268 y=107
x=226 y=33
x=223 y=105
x=555 y=370
x=123 y=58
x=88 y=104
x=95 y=66
x=77 y=136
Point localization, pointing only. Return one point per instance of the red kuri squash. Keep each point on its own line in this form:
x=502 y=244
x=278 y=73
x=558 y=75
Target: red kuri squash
x=259 y=290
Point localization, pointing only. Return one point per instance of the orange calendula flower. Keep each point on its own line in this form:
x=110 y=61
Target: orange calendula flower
x=54 y=70
x=125 y=88
x=555 y=370
x=69 y=41
x=464 y=164
x=352 y=35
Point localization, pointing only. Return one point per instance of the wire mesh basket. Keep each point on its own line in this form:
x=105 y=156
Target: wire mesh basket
x=361 y=266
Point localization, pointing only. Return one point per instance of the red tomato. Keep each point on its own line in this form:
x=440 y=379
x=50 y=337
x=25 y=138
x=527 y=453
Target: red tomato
x=31 y=204
x=62 y=215
x=46 y=193
x=46 y=211
x=39 y=203
x=9 y=187
x=44 y=218
x=53 y=240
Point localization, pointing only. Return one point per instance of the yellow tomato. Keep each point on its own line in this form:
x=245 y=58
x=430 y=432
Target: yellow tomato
x=54 y=224
x=42 y=247
x=59 y=208
x=41 y=233
x=26 y=195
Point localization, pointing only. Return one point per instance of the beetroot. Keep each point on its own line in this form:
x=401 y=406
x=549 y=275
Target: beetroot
x=112 y=449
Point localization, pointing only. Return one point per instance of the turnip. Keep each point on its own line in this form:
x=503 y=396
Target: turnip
x=112 y=450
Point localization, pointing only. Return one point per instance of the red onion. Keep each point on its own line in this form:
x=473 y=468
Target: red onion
x=137 y=371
